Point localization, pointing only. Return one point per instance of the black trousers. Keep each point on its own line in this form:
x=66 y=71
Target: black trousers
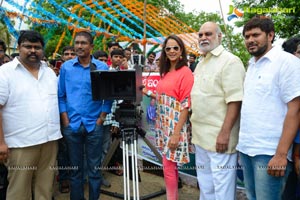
x=3 y=181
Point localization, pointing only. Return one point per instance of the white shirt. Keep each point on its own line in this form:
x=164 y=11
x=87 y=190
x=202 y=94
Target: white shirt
x=270 y=83
x=218 y=80
x=130 y=64
x=30 y=113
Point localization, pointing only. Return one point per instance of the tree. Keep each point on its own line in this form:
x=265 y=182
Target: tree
x=286 y=24
x=232 y=41
x=237 y=46
x=4 y=34
x=193 y=19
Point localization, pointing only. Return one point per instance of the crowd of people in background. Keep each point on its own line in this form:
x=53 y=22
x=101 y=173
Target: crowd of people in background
x=208 y=105
x=150 y=64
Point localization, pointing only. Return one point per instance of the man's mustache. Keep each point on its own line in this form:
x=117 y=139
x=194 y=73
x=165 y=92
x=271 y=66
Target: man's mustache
x=33 y=54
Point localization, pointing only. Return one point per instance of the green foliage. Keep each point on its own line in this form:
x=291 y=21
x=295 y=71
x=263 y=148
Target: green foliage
x=286 y=24
x=232 y=41
x=173 y=6
x=195 y=19
x=52 y=34
x=4 y=34
x=238 y=47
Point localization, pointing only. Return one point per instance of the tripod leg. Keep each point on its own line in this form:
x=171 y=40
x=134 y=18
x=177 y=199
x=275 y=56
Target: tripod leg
x=136 y=170
x=110 y=152
x=127 y=171
x=153 y=149
x=124 y=170
x=133 y=171
x=125 y=141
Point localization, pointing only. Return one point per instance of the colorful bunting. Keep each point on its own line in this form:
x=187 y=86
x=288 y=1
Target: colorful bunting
x=124 y=17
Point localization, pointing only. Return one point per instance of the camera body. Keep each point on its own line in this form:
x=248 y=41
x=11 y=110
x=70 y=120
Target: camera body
x=120 y=85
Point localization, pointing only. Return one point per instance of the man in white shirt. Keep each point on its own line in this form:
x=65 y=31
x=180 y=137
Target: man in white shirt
x=269 y=115
x=216 y=101
x=128 y=62
x=29 y=120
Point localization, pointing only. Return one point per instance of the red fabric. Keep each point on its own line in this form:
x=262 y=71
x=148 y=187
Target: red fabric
x=109 y=61
x=171 y=178
x=177 y=84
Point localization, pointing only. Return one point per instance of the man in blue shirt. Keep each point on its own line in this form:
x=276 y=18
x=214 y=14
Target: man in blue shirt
x=81 y=117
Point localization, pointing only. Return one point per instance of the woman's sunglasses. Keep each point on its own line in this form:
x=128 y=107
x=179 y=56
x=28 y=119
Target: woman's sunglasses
x=176 y=48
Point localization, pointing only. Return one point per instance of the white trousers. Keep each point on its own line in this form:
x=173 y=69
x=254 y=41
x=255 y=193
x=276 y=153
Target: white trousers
x=216 y=174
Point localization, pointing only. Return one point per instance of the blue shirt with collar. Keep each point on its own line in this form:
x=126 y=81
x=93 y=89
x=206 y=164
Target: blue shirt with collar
x=75 y=94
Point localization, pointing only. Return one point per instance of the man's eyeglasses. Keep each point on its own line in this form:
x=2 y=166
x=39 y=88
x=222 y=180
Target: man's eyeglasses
x=1 y=51
x=176 y=48
x=69 y=54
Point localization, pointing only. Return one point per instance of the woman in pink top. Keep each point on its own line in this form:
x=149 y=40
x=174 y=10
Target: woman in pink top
x=173 y=101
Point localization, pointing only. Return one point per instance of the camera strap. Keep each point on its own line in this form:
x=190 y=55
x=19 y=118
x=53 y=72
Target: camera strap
x=92 y=66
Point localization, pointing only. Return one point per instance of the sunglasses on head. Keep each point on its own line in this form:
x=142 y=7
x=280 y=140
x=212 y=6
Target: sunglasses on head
x=175 y=48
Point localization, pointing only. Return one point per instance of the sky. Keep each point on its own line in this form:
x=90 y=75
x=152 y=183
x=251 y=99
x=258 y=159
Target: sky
x=213 y=6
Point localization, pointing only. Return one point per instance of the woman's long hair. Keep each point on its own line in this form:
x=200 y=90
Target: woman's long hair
x=164 y=62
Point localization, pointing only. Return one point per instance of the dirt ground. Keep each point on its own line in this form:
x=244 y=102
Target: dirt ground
x=149 y=185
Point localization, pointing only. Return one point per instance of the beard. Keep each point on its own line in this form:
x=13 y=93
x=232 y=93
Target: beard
x=207 y=46
x=260 y=51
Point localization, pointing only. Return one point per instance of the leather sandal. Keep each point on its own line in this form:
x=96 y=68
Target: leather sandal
x=64 y=187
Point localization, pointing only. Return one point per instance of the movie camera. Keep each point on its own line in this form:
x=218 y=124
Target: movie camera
x=125 y=86
x=121 y=85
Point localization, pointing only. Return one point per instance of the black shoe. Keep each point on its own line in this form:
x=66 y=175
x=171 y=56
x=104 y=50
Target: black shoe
x=179 y=183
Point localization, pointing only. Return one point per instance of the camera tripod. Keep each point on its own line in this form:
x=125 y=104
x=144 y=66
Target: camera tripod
x=129 y=138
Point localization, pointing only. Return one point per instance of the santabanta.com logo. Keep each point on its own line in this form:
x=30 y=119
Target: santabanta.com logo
x=236 y=13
